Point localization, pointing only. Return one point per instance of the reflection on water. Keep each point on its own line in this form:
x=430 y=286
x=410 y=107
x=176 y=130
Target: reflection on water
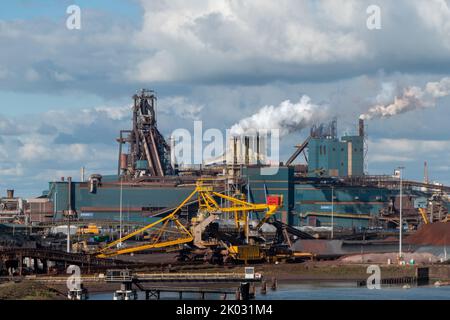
x=346 y=291
x=321 y=291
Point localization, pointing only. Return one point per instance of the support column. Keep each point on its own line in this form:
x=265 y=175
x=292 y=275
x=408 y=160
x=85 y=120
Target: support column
x=20 y=264
x=274 y=284
x=245 y=291
x=264 y=287
x=45 y=266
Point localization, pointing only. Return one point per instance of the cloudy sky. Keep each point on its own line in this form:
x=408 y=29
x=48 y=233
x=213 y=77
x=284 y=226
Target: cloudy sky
x=65 y=94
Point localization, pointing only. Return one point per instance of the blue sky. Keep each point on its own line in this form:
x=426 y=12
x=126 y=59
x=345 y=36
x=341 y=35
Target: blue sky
x=55 y=9
x=64 y=94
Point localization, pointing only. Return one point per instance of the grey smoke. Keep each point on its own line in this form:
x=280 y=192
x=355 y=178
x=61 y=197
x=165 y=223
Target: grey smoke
x=410 y=98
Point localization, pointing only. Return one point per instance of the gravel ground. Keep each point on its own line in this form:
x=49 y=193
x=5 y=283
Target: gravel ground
x=28 y=290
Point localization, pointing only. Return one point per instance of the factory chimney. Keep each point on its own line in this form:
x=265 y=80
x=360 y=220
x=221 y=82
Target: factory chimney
x=258 y=149
x=361 y=127
x=235 y=150
x=69 y=191
x=247 y=150
x=10 y=194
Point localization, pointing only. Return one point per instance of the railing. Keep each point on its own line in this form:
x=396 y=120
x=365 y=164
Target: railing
x=182 y=277
x=59 y=279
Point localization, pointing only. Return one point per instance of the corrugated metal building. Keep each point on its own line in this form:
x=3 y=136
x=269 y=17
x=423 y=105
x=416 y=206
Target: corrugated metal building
x=138 y=200
x=309 y=201
x=331 y=157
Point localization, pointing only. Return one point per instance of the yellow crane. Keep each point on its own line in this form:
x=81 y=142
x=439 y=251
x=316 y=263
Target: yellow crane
x=164 y=234
x=423 y=213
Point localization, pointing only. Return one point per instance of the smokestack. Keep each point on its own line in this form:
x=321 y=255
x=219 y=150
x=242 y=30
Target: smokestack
x=361 y=127
x=247 y=150
x=69 y=191
x=10 y=194
x=425 y=173
x=257 y=148
x=235 y=150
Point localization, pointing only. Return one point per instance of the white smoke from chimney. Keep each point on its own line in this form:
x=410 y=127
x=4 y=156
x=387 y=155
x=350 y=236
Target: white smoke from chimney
x=439 y=89
x=288 y=117
x=411 y=98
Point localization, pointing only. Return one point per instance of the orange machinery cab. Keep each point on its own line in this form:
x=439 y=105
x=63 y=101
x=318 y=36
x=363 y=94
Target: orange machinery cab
x=274 y=200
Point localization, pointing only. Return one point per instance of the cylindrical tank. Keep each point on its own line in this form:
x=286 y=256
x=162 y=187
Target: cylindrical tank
x=123 y=161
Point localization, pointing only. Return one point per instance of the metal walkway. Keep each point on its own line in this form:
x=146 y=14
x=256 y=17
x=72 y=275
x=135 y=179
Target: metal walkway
x=57 y=256
x=121 y=276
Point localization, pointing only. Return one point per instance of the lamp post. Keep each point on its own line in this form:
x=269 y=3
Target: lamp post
x=400 y=252
x=120 y=210
x=332 y=213
x=69 y=215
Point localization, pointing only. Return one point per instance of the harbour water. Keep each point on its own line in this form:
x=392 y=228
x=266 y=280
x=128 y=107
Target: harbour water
x=322 y=291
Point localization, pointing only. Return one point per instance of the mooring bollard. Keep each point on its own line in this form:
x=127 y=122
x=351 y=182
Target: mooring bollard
x=252 y=291
x=274 y=284
x=264 y=287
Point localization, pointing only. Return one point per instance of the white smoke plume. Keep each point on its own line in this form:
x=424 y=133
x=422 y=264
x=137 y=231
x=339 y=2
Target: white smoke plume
x=288 y=117
x=411 y=98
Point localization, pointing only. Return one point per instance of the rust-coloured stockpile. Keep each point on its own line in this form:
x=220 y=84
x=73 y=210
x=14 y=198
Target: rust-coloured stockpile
x=437 y=234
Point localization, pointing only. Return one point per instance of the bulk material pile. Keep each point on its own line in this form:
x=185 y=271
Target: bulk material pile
x=435 y=234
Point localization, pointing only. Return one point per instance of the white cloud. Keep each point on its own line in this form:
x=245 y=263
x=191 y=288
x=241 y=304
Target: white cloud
x=206 y=38
x=386 y=158
x=409 y=145
x=226 y=41
x=200 y=41
x=15 y=171
x=387 y=154
x=62 y=76
x=57 y=143
x=180 y=106
x=31 y=75
x=32 y=151
x=4 y=73
x=435 y=14
x=113 y=113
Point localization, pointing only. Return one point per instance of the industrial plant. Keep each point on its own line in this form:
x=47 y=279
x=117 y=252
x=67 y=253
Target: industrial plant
x=332 y=177
x=320 y=205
